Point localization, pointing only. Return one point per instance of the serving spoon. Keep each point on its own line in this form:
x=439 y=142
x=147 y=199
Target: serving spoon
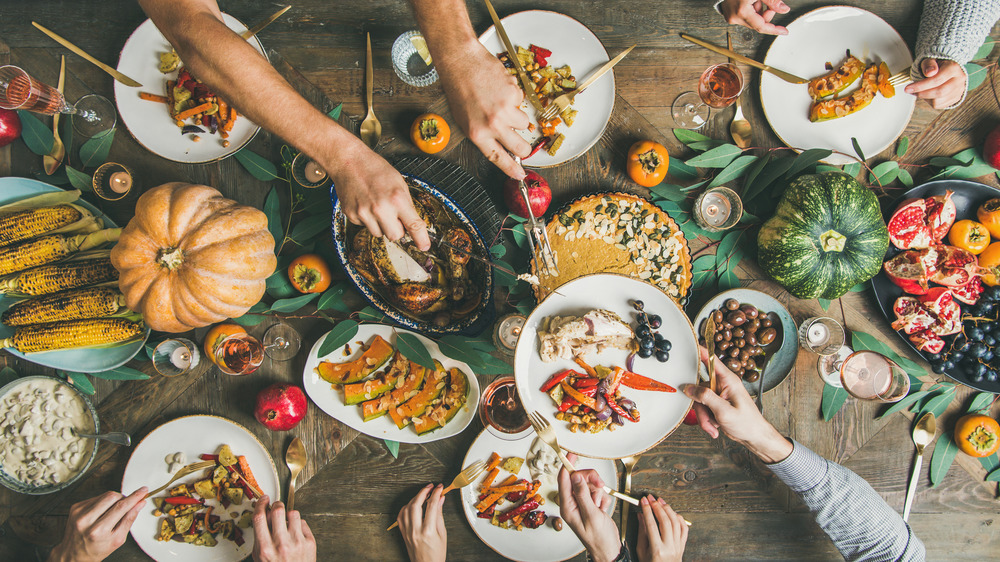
x=116 y=437
x=371 y=129
x=769 y=350
x=923 y=434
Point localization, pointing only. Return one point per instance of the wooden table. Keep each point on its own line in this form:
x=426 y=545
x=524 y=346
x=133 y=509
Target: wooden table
x=355 y=487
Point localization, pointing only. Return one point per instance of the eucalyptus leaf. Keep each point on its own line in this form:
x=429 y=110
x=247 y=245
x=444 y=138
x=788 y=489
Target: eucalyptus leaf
x=258 y=166
x=278 y=286
x=990 y=463
x=678 y=169
x=827 y=168
x=977 y=75
x=309 y=227
x=413 y=349
x=80 y=381
x=824 y=303
x=688 y=136
x=945 y=161
x=905 y=178
x=516 y=218
x=885 y=172
x=272 y=210
x=95 y=151
x=860 y=287
x=985 y=50
x=498 y=251
x=728 y=280
x=718 y=157
x=490 y=365
x=943 y=457
x=993 y=476
x=393 y=446
x=520 y=236
x=121 y=374
x=7 y=375
x=749 y=218
x=852 y=169
x=58 y=177
x=371 y=314
x=668 y=191
x=857 y=149
x=701 y=279
x=333 y=298
x=725 y=248
x=755 y=171
x=335 y=112
x=458 y=349
x=805 y=160
x=911 y=398
x=833 y=400
x=904 y=144
x=79 y=180
x=982 y=401
x=705 y=145
x=337 y=337
x=503 y=278
x=734 y=170
x=938 y=404
x=777 y=168
x=975 y=166
x=694 y=186
x=293 y=304
x=35 y=134
x=704 y=263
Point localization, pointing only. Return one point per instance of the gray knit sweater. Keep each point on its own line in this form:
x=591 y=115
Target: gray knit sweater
x=953 y=30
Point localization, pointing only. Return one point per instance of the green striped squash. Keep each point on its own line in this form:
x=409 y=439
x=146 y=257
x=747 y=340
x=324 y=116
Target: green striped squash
x=826 y=236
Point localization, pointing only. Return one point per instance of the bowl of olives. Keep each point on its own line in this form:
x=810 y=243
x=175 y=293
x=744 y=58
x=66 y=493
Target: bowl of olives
x=743 y=330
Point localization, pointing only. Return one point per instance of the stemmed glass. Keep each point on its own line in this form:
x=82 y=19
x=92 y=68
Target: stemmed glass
x=718 y=87
x=239 y=354
x=281 y=342
x=18 y=90
x=869 y=375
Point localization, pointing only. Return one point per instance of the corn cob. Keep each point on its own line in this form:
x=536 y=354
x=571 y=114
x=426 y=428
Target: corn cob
x=48 y=249
x=93 y=302
x=72 y=334
x=61 y=276
x=23 y=225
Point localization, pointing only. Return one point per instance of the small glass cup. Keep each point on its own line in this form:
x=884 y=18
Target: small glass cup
x=307 y=173
x=718 y=209
x=502 y=412
x=408 y=64
x=239 y=354
x=821 y=335
x=281 y=342
x=872 y=376
x=176 y=356
x=112 y=181
x=506 y=331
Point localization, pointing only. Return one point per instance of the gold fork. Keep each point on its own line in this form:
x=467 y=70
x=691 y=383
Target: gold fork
x=900 y=78
x=629 y=464
x=560 y=104
x=189 y=469
x=463 y=479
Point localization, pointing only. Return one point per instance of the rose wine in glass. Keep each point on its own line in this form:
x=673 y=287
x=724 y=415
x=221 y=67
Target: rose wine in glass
x=501 y=410
x=720 y=85
x=872 y=376
x=239 y=354
x=18 y=90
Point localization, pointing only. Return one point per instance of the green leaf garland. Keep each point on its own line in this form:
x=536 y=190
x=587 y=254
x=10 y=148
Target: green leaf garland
x=413 y=349
x=79 y=381
x=34 y=133
x=681 y=171
x=79 y=180
x=910 y=399
x=278 y=286
x=258 y=166
x=95 y=151
x=982 y=401
x=333 y=298
x=833 y=400
x=309 y=227
x=857 y=149
x=336 y=338
x=807 y=159
x=943 y=457
x=293 y=304
x=718 y=157
x=734 y=170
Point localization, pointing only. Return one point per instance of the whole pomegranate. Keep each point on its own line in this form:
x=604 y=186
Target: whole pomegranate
x=281 y=407
x=991 y=150
x=538 y=193
x=10 y=126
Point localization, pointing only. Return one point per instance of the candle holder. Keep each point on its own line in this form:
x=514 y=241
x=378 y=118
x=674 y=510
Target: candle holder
x=175 y=356
x=717 y=209
x=112 y=181
x=506 y=331
x=821 y=335
x=308 y=173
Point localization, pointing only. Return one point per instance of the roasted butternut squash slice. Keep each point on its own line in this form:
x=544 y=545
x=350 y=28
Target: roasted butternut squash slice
x=884 y=87
x=434 y=386
x=379 y=351
x=837 y=80
x=358 y=392
x=446 y=408
x=405 y=388
x=840 y=107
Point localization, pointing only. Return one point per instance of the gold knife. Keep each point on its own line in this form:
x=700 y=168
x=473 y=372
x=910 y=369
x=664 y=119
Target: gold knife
x=526 y=83
x=257 y=28
x=114 y=73
x=787 y=77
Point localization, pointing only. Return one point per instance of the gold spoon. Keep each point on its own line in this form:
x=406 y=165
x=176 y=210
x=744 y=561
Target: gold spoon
x=55 y=156
x=923 y=434
x=371 y=129
x=295 y=458
x=740 y=127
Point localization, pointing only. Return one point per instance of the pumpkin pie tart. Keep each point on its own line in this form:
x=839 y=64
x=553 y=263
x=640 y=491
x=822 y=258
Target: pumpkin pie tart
x=618 y=233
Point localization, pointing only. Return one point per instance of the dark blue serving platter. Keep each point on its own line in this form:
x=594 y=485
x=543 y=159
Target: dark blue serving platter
x=471 y=325
x=967 y=196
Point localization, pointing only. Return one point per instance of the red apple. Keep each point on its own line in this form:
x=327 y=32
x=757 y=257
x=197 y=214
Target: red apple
x=538 y=193
x=10 y=126
x=991 y=150
x=281 y=407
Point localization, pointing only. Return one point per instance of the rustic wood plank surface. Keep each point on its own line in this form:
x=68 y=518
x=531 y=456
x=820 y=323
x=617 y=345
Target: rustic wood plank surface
x=354 y=486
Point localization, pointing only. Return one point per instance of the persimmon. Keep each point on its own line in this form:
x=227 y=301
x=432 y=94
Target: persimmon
x=989 y=263
x=969 y=235
x=647 y=163
x=977 y=435
x=215 y=336
x=309 y=274
x=989 y=214
x=430 y=132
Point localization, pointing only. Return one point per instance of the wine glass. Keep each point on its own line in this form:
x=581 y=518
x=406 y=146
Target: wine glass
x=18 y=90
x=869 y=375
x=239 y=354
x=501 y=410
x=718 y=87
x=281 y=342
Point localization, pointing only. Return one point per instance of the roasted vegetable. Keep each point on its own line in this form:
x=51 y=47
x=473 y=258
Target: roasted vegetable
x=93 y=302
x=837 y=80
x=841 y=107
x=58 y=277
x=23 y=225
x=378 y=352
x=47 y=249
x=72 y=334
x=226 y=456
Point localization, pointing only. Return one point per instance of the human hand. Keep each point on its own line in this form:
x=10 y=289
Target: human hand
x=98 y=526
x=280 y=536
x=373 y=194
x=662 y=532
x=733 y=411
x=485 y=101
x=755 y=14
x=583 y=505
x=944 y=83
x=423 y=528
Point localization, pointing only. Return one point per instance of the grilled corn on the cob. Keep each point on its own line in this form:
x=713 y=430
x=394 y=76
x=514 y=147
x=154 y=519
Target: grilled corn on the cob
x=60 y=276
x=23 y=225
x=92 y=302
x=48 y=249
x=72 y=334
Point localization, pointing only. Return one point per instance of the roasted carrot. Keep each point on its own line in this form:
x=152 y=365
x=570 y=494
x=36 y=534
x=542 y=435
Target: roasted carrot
x=248 y=474
x=487 y=502
x=533 y=490
x=194 y=111
x=488 y=481
x=519 y=487
x=152 y=97
x=494 y=461
x=579 y=360
x=230 y=121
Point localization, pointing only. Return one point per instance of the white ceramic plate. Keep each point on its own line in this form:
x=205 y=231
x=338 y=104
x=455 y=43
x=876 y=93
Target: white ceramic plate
x=822 y=36
x=193 y=436
x=574 y=44
x=149 y=122
x=80 y=360
x=660 y=412
x=543 y=544
x=331 y=400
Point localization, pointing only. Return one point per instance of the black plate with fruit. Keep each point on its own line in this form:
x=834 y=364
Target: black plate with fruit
x=971 y=357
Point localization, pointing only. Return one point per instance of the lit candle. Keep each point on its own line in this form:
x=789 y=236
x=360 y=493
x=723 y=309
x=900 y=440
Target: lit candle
x=715 y=208
x=818 y=334
x=507 y=331
x=120 y=181
x=314 y=173
x=181 y=358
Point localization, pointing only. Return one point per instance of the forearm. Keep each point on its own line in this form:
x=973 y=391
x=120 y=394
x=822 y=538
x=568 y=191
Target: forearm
x=858 y=521
x=232 y=68
x=954 y=29
x=446 y=26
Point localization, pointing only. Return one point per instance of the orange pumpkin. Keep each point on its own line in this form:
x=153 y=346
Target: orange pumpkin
x=977 y=435
x=215 y=336
x=190 y=257
x=647 y=163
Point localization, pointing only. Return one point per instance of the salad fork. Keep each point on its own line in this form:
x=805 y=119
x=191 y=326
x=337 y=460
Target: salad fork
x=559 y=104
x=189 y=469
x=463 y=479
x=900 y=78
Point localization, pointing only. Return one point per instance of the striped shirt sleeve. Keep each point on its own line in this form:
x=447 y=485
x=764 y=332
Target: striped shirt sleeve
x=858 y=521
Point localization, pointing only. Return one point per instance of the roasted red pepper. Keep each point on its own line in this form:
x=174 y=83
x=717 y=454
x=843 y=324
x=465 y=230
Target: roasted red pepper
x=585 y=382
x=541 y=55
x=515 y=496
x=567 y=403
x=539 y=144
x=181 y=500
x=488 y=514
x=207 y=457
x=556 y=379
x=579 y=396
x=639 y=382
x=618 y=409
x=535 y=519
x=523 y=508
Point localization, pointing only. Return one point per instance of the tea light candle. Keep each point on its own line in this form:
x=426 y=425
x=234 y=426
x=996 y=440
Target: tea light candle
x=120 y=181
x=507 y=331
x=818 y=334
x=716 y=209
x=314 y=173
x=181 y=358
